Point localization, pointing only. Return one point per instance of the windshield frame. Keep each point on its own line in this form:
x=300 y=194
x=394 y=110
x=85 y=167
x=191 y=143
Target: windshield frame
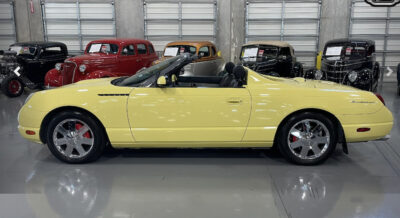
x=258 y=57
x=343 y=54
x=22 y=49
x=156 y=71
x=179 y=48
x=87 y=51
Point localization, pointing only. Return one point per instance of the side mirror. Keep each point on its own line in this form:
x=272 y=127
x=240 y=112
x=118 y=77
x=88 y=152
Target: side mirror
x=219 y=54
x=283 y=57
x=161 y=81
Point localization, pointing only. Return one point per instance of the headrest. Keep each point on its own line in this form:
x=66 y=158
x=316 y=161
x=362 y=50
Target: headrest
x=239 y=72
x=229 y=67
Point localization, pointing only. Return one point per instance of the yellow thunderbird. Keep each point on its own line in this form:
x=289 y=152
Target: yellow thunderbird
x=158 y=108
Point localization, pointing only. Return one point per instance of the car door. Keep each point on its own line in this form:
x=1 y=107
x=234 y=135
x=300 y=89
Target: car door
x=144 y=59
x=189 y=114
x=127 y=60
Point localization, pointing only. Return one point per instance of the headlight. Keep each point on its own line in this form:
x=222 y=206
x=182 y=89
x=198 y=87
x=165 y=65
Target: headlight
x=318 y=75
x=82 y=68
x=58 y=66
x=353 y=75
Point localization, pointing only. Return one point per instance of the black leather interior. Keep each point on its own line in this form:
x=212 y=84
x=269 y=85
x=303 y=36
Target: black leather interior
x=239 y=74
x=200 y=79
x=228 y=69
x=234 y=77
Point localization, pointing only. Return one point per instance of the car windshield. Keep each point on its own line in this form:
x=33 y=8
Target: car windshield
x=102 y=48
x=174 y=50
x=23 y=50
x=336 y=52
x=259 y=51
x=147 y=73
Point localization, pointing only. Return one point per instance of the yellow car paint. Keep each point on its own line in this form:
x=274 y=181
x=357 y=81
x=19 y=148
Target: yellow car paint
x=208 y=117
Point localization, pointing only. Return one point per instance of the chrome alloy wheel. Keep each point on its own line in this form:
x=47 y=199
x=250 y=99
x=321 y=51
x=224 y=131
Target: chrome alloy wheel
x=308 y=139
x=73 y=138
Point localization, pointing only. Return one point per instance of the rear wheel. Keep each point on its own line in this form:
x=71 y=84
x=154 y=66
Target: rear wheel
x=74 y=137
x=307 y=138
x=12 y=86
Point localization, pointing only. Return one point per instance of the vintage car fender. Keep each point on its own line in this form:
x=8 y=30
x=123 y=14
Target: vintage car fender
x=53 y=78
x=100 y=74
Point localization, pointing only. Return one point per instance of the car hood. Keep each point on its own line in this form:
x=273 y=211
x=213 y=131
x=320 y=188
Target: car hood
x=97 y=58
x=89 y=87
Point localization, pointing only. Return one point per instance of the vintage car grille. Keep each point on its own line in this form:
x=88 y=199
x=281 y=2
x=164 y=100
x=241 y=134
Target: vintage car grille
x=335 y=76
x=260 y=67
x=68 y=73
x=337 y=71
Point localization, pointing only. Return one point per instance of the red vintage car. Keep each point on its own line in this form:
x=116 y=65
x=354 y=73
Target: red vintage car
x=103 y=58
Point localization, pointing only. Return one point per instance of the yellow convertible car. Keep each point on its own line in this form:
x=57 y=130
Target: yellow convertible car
x=158 y=108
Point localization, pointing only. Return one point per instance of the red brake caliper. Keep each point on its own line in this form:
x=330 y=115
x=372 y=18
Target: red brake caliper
x=78 y=126
x=14 y=86
x=294 y=138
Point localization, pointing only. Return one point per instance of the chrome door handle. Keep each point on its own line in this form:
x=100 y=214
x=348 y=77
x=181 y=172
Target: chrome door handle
x=234 y=101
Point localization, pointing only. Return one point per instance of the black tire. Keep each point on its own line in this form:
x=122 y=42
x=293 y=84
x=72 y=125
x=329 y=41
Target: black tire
x=96 y=132
x=374 y=87
x=12 y=86
x=299 y=72
x=283 y=139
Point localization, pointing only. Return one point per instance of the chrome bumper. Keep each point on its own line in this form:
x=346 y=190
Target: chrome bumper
x=385 y=138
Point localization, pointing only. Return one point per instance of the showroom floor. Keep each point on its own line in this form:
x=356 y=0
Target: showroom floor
x=197 y=183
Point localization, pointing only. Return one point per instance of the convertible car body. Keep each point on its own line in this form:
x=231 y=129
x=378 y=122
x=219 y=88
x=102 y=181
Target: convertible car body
x=157 y=108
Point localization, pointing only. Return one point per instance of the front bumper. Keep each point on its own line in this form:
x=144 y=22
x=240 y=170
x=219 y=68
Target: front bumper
x=30 y=119
x=35 y=138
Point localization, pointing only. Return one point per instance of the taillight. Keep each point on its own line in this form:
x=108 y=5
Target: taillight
x=380 y=98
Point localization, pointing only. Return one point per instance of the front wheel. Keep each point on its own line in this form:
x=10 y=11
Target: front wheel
x=12 y=86
x=74 y=137
x=307 y=138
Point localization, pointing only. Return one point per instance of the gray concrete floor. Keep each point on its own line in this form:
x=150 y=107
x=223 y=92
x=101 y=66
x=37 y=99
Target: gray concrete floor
x=197 y=183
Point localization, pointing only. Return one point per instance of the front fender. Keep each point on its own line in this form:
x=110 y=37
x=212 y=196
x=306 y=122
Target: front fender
x=53 y=78
x=99 y=74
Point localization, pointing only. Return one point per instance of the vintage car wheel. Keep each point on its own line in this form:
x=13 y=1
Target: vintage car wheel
x=12 y=86
x=307 y=138
x=74 y=137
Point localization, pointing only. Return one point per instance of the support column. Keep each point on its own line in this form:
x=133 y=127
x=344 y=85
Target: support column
x=129 y=19
x=29 y=26
x=334 y=20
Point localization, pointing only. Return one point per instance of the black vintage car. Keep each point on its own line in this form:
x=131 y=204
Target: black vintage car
x=274 y=58
x=26 y=64
x=350 y=62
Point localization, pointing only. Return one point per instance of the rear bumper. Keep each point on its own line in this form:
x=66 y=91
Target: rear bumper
x=379 y=124
x=385 y=138
x=378 y=131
